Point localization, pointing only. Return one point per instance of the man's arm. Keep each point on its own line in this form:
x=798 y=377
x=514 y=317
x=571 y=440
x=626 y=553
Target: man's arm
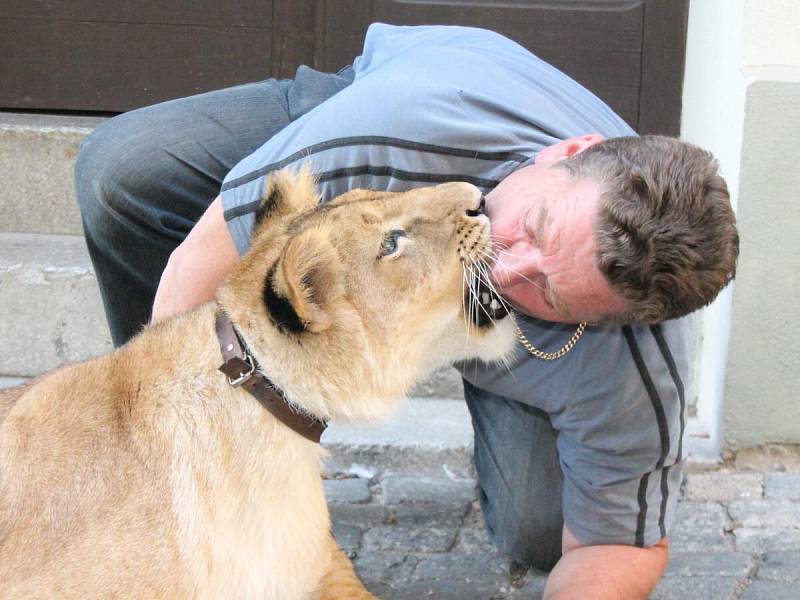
x=197 y=267
x=612 y=572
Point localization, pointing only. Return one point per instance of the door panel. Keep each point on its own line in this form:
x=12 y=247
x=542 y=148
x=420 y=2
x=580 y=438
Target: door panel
x=92 y=55
x=609 y=46
x=96 y=55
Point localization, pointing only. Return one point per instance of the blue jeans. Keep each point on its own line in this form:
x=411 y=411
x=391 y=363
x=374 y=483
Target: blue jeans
x=519 y=477
x=144 y=178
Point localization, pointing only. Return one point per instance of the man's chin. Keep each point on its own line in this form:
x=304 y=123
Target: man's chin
x=511 y=296
x=514 y=297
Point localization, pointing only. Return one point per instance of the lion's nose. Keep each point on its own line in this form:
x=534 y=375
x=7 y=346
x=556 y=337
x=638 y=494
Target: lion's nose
x=478 y=211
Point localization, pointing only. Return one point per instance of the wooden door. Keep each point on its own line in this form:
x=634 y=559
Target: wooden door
x=100 y=55
x=628 y=52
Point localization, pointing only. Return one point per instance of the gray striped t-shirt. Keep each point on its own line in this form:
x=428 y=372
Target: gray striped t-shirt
x=426 y=105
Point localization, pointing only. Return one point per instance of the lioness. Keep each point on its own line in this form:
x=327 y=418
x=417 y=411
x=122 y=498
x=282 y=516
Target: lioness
x=146 y=473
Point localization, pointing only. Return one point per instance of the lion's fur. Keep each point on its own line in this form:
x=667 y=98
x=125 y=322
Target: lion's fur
x=144 y=474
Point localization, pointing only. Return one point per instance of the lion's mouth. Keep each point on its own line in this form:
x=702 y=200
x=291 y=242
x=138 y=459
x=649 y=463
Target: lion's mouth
x=483 y=305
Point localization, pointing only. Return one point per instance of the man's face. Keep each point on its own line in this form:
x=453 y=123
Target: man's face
x=543 y=230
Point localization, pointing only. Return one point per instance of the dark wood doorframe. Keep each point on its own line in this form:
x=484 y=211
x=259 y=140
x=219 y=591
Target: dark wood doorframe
x=663 y=66
x=655 y=107
x=294 y=37
x=91 y=55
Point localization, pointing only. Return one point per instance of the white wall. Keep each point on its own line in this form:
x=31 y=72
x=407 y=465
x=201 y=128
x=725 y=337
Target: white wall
x=761 y=385
x=714 y=86
x=772 y=32
x=742 y=101
x=762 y=388
x=712 y=116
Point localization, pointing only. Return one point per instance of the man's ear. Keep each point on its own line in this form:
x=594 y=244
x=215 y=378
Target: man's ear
x=302 y=289
x=288 y=192
x=566 y=148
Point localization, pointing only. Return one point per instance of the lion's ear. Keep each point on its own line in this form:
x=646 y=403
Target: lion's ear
x=303 y=288
x=288 y=192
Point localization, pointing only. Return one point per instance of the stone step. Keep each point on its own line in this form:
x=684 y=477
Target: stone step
x=426 y=436
x=430 y=436
x=52 y=312
x=37 y=154
x=50 y=305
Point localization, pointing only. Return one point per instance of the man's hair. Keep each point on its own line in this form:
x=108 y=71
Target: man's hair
x=666 y=232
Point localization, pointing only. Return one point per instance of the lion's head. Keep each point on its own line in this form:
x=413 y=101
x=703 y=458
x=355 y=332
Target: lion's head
x=347 y=304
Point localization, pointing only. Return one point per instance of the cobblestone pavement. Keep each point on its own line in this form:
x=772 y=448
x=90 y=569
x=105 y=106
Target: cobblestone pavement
x=736 y=536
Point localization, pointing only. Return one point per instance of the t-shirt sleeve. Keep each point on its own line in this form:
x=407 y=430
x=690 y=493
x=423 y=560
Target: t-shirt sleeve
x=621 y=442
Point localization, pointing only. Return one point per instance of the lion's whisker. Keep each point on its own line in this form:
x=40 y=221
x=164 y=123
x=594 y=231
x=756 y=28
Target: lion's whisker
x=497 y=236
x=505 y=252
x=473 y=296
x=533 y=283
x=484 y=273
x=464 y=282
x=478 y=301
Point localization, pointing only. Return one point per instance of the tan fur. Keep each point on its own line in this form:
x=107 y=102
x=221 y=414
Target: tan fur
x=143 y=474
x=9 y=397
x=340 y=581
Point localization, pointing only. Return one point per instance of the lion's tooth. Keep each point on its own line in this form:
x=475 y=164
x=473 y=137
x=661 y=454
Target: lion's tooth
x=494 y=304
x=484 y=298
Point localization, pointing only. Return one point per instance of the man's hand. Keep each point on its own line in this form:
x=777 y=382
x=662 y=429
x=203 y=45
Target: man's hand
x=197 y=267
x=606 y=572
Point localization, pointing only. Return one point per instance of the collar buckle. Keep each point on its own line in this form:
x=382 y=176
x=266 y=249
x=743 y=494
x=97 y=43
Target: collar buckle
x=244 y=376
x=241 y=367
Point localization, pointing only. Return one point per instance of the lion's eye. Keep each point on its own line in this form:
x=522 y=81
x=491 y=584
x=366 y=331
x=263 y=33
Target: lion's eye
x=390 y=244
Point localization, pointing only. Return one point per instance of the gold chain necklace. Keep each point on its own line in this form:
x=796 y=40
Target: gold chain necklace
x=550 y=355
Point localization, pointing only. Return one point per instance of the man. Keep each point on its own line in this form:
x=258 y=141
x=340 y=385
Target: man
x=577 y=446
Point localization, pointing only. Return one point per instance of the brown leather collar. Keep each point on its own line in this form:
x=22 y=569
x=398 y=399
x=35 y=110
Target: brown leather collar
x=242 y=370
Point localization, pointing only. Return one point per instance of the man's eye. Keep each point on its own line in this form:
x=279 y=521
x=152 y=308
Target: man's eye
x=389 y=244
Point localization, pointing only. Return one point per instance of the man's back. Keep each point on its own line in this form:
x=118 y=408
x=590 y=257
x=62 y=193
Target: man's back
x=425 y=105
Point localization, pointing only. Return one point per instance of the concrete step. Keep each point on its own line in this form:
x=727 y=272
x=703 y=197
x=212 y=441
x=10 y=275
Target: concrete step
x=426 y=436
x=37 y=154
x=52 y=312
x=50 y=305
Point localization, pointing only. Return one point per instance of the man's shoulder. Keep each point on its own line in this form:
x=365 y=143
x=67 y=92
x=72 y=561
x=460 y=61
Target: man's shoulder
x=477 y=75
x=384 y=41
x=435 y=59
